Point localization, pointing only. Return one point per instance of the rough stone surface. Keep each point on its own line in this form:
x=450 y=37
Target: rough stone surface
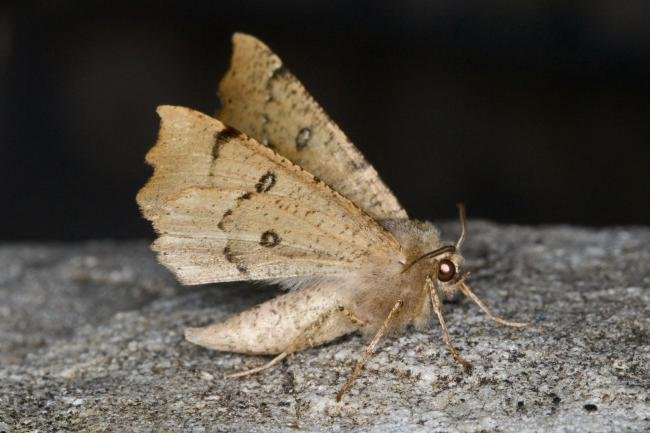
x=91 y=340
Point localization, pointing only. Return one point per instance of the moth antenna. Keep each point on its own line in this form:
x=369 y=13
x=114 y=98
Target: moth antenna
x=437 y=252
x=468 y=292
x=463 y=225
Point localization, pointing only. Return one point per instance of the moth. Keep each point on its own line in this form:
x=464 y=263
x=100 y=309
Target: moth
x=272 y=190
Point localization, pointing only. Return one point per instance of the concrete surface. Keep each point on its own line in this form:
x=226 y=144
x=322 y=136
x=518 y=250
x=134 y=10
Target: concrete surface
x=91 y=339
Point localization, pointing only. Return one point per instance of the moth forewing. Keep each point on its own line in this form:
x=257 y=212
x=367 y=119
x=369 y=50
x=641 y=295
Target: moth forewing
x=247 y=213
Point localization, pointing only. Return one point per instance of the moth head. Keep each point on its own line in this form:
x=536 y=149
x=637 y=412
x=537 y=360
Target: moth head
x=447 y=260
x=448 y=275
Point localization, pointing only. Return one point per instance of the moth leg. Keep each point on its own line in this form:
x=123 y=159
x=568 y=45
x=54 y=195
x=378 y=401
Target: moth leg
x=354 y=319
x=437 y=307
x=255 y=370
x=304 y=337
x=466 y=290
x=369 y=349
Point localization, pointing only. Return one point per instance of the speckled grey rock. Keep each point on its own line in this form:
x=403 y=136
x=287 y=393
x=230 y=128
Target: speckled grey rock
x=91 y=340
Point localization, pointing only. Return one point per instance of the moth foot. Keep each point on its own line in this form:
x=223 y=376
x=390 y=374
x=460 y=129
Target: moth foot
x=256 y=370
x=466 y=364
x=509 y=323
x=351 y=317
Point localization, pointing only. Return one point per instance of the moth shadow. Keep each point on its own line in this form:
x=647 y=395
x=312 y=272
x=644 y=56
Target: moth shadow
x=224 y=299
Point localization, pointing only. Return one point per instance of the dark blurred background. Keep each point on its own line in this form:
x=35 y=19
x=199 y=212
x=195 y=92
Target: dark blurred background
x=531 y=112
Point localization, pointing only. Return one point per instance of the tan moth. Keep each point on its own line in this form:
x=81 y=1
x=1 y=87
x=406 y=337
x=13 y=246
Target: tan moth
x=273 y=190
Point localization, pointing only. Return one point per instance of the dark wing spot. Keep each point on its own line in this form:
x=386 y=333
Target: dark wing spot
x=269 y=239
x=303 y=137
x=266 y=182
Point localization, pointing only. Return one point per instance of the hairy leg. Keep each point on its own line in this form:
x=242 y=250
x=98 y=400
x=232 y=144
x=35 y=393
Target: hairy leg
x=436 y=303
x=468 y=292
x=369 y=349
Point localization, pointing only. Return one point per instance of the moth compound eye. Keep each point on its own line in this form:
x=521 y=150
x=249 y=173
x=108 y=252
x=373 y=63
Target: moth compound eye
x=446 y=270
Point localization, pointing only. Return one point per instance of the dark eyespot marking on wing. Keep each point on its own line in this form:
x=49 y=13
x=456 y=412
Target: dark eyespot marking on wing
x=303 y=137
x=266 y=182
x=269 y=239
